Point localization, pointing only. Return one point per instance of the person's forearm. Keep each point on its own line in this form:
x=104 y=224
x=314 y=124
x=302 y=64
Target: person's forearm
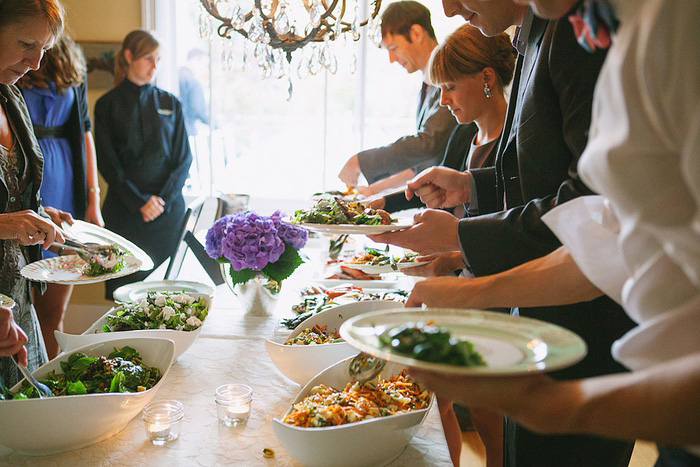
x=93 y=186
x=551 y=280
x=661 y=403
x=395 y=180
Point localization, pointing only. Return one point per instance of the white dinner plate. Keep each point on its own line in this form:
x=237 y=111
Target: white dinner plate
x=510 y=345
x=339 y=229
x=86 y=232
x=385 y=268
x=137 y=291
x=69 y=270
x=384 y=283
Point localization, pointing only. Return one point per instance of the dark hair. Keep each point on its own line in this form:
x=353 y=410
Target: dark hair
x=467 y=51
x=16 y=11
x=140 y=43
x=64 y=64
x=400 y=16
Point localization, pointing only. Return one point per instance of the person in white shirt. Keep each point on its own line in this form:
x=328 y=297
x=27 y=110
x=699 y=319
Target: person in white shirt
x=639 y=242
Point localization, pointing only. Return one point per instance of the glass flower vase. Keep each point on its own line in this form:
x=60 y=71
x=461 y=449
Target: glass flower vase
x=258 y=296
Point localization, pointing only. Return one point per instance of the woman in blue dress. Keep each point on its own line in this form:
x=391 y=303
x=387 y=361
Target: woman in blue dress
x=56 y=96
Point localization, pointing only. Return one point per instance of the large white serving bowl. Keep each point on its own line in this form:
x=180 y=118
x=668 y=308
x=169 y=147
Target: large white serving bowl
x=183 y=339
x=371 y=442
x=300 y=363
x=58 y=424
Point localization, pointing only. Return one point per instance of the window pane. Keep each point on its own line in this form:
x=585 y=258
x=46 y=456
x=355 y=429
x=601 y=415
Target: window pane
x=264 y=145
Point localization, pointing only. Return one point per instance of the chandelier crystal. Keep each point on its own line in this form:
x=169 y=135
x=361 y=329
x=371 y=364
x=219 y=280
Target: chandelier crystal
x=276 y=28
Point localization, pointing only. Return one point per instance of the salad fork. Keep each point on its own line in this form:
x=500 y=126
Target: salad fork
x=41 y=388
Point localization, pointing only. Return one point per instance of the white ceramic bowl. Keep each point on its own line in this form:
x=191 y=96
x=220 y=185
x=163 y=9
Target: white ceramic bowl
x=58 y=424
x=300 y=363
x=183 y=339
x=371 y=442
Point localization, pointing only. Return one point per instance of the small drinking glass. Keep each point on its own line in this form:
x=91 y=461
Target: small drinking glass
x=163 y=420
x=233 y=403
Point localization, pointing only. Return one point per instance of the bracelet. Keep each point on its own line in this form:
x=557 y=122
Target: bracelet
x=93 y=190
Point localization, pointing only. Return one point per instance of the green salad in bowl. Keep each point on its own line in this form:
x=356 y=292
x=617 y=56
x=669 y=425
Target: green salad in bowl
x=121 y=371
x=159 y=310
x=175 y=315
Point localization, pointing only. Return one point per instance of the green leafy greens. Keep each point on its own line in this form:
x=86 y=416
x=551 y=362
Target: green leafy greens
x=340 y=212
x=177 y=311
x=431 y=344
x=122 y=371
x=99 y=265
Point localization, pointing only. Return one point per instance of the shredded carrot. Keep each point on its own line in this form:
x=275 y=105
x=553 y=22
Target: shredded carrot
x=327 y=406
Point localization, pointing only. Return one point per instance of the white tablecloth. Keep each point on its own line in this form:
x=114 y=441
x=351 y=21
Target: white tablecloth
x=229 y=349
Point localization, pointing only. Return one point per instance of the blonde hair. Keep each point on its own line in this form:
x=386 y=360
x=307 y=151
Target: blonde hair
x=467 y=51
x=16 y=11
x=64 y=64
x=139 y=43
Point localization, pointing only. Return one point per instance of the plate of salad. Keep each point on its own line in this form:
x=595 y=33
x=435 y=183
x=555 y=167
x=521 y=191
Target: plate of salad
x=464 y=341
x=373 y=261
x=347 y=217
x=71 y=269
x=91 y=233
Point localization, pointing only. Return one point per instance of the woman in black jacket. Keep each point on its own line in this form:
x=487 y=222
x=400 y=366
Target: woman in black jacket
x=143 y=154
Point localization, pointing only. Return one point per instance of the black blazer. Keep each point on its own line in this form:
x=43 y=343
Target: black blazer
x=455 y=157
x=547 y=127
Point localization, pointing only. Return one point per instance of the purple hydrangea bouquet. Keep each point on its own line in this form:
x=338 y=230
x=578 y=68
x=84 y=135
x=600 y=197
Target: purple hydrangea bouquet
x=256 y=245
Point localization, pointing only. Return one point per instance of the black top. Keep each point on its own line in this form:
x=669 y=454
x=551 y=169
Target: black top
x=142 y=147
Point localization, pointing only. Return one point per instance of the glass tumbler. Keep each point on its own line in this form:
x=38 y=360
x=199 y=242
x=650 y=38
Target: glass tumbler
x=233 y=403
x=162 y=421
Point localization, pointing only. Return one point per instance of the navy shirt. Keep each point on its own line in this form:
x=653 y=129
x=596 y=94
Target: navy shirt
x=141 y=141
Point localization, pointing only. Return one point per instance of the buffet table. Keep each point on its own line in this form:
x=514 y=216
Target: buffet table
x=230 y=349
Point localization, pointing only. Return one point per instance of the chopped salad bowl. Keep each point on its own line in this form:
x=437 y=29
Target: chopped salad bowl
x=64 y=423
x=300 y=363
x=373 y=442
x=182 y=339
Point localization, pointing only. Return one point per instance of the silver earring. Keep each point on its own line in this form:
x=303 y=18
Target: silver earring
x=487 y=90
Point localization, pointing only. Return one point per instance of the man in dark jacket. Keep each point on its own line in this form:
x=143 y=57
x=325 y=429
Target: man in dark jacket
x=545 y=133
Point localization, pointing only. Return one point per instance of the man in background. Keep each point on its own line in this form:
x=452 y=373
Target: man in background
x=194 y=106
x=408 y=36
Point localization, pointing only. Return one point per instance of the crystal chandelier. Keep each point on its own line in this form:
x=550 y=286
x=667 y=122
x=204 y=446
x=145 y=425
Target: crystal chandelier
x=276 y=28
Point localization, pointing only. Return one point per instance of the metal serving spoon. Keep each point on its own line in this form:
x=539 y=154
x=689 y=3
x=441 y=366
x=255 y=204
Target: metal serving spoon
x=41 y=388
x=364 y=367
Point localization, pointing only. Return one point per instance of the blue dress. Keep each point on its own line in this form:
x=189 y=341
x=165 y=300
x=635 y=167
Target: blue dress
x=50 y=109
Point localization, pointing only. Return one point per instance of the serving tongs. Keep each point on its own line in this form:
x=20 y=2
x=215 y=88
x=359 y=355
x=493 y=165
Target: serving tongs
x=384 y=194
x=86 y=251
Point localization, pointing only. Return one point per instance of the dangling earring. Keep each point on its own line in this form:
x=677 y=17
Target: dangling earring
x=487 y=91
